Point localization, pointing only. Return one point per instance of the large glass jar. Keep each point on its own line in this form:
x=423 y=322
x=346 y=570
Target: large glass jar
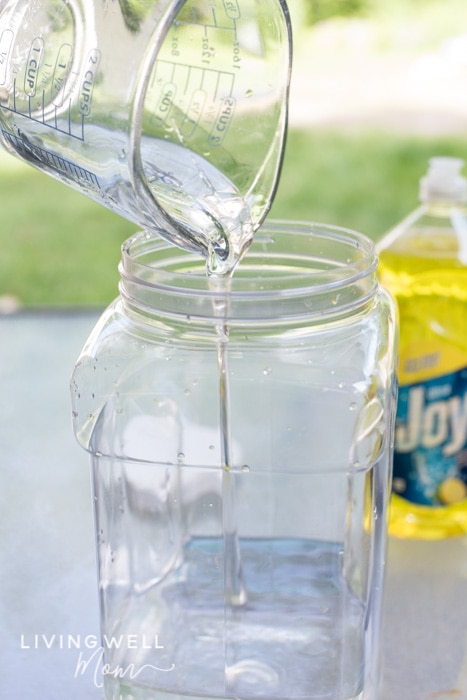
x=240 y=436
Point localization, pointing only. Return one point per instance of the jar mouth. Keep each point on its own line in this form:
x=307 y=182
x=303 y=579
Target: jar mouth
x=325 y=268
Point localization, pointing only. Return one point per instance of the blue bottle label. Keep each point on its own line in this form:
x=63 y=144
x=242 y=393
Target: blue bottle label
x=430 y=458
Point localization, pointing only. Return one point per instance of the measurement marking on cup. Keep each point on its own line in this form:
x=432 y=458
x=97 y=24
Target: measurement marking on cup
x=57 y=163
x=205 y=73
x=6 y=42
x=232 y=9
x=53 y=123
x=215 y=25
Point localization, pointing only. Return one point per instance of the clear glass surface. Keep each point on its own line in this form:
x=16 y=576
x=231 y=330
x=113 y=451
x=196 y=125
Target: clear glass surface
x=171 y=114
x=240 y=440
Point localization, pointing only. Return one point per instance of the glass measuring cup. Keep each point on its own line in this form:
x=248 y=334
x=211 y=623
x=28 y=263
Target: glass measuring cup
x=171 y=114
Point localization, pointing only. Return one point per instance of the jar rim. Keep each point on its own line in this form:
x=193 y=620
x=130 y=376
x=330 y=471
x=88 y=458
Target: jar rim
x=152 y=260
x=304 y=268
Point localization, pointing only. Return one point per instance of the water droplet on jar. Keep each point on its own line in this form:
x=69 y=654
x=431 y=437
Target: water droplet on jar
x=267 y=370
x=353 y=406
x=181 y=457
x=245 y=468
x=187 y=392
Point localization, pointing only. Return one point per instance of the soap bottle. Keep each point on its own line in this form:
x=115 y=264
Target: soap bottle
x=423 y=263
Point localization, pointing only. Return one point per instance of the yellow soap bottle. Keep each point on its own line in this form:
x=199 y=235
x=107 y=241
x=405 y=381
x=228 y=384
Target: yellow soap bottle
x=423 y=262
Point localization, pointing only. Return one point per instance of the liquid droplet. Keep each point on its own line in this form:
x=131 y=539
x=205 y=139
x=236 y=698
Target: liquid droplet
x=245 y=468
x=353 y=406
x=181 y=457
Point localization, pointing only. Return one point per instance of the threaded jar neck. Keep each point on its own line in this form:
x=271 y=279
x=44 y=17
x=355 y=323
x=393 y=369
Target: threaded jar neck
x=293 y=273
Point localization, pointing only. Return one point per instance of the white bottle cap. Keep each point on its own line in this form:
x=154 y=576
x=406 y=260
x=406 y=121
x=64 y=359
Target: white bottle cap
x=444 y=182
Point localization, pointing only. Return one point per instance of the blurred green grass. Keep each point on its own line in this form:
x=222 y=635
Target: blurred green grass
x=59 y=248
x=366 y=180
